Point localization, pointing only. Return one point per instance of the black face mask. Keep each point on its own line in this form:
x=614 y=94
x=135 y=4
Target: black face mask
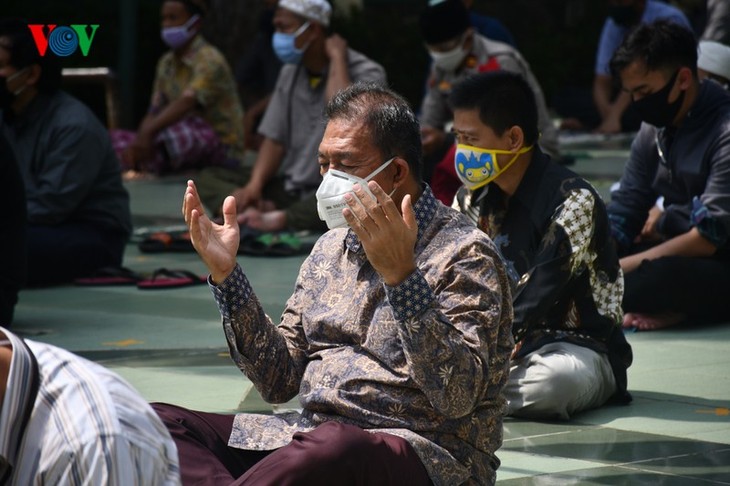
x=655 y=108
x=624 y=16
x=6 y=97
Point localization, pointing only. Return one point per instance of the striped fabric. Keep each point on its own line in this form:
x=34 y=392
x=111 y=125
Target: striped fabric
x=87 y=426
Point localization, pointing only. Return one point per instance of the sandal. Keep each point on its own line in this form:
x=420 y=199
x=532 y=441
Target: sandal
x=162 y=278
x=163 y=241
x=110 y=276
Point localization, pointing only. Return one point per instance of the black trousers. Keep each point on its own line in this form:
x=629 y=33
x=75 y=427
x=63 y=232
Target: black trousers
x=60 y=253
x=696 y=287
x=332 y=454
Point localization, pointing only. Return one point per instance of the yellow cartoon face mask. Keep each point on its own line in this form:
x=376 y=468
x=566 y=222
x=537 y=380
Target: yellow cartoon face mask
x=477 y=167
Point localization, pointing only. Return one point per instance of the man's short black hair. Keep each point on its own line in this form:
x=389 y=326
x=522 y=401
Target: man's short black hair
x=18 y=42
x=662 y=46
x=194 y=7
x=444 y=21
x=388 y=118
x=504 y=99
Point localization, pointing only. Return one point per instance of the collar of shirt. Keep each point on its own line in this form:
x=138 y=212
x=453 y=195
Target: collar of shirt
x=19 y=398
x=188 y=58
x=424 y=208
x=528 y=187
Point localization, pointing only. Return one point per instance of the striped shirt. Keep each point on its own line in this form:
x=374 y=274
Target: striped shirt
x=87 y=425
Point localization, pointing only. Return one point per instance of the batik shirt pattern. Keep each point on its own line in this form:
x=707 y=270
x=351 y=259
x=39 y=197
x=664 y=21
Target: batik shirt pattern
x=204 y=70
x=425 y=360
x=553 y=233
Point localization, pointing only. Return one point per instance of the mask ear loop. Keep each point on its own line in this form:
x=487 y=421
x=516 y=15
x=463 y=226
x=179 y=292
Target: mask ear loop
x=379 y=169
x=191 y=21
x=299 y=32
x=512 y=161
x=15 y=75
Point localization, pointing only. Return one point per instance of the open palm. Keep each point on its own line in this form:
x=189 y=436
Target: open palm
x=217 y=244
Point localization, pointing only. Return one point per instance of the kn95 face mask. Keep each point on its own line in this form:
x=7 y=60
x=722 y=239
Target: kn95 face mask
x=331 y=194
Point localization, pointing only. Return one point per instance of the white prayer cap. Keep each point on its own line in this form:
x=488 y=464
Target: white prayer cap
x=316 y=10
x=714 y=58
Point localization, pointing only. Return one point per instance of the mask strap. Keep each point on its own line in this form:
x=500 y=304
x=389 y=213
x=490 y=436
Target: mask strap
x=301 y=29
x=379 y=169
x=299 y=32
x=16 y=74
x=190 y=22
x=513 y=159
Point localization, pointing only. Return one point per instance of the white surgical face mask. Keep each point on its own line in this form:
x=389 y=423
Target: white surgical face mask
x=449 y=60
x=332 y=190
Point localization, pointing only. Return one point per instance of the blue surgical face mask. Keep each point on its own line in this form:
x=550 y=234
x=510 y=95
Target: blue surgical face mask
x=285 y=48
x=176 y=37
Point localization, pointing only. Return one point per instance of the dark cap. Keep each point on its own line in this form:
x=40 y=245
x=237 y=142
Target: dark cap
x=443 y=21
x=199 y=7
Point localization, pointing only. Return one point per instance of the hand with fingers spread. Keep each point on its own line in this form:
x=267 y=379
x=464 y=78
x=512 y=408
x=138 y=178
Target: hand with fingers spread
x=387 y=236
x=217 y=244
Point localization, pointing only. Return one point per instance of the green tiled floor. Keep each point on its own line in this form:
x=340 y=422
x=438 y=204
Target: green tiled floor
x=169 y=345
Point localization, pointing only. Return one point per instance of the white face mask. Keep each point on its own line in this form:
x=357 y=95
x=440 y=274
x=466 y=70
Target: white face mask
x=450 y=60
x=332 y=190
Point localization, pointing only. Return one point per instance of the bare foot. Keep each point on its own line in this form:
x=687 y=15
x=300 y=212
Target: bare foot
x=651 y=322
x=267 y=222
x=136 y=175
x=267 y=206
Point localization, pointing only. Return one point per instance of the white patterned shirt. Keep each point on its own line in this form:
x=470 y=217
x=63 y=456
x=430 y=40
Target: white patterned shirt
x=86 y=424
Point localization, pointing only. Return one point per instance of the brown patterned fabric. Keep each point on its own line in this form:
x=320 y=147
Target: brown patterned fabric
x=425 y=360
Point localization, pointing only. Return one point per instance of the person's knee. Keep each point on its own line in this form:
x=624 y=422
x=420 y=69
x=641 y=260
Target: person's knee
x=545 y=387
x=546 y=398
x=344 y=443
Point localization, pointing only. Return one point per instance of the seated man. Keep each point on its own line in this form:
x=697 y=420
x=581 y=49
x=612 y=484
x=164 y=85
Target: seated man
x=397 y=336
x=552 y=230
x=278 y=192
x=195 y=117
x=674 y=270
x=65 y=420
x=12 y=233
x=623 y=16
x=713 y=63
x=457 y=51
x=78 y=210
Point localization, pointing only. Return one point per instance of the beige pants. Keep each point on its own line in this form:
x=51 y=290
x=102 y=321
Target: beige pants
x=557 y=381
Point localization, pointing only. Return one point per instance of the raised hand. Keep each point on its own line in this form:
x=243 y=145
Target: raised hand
x=387 y=236
x=217 y=244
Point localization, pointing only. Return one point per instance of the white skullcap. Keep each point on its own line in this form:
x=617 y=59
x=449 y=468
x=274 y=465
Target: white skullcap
x=316 y=10
x=714 y=58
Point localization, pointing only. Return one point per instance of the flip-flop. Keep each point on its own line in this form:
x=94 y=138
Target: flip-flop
x=163 y=241
x=162 y=278
x=110 y=276
x=284 y=244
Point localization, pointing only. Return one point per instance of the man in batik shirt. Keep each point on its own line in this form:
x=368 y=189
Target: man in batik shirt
x=552 y=230
x=397 y=336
